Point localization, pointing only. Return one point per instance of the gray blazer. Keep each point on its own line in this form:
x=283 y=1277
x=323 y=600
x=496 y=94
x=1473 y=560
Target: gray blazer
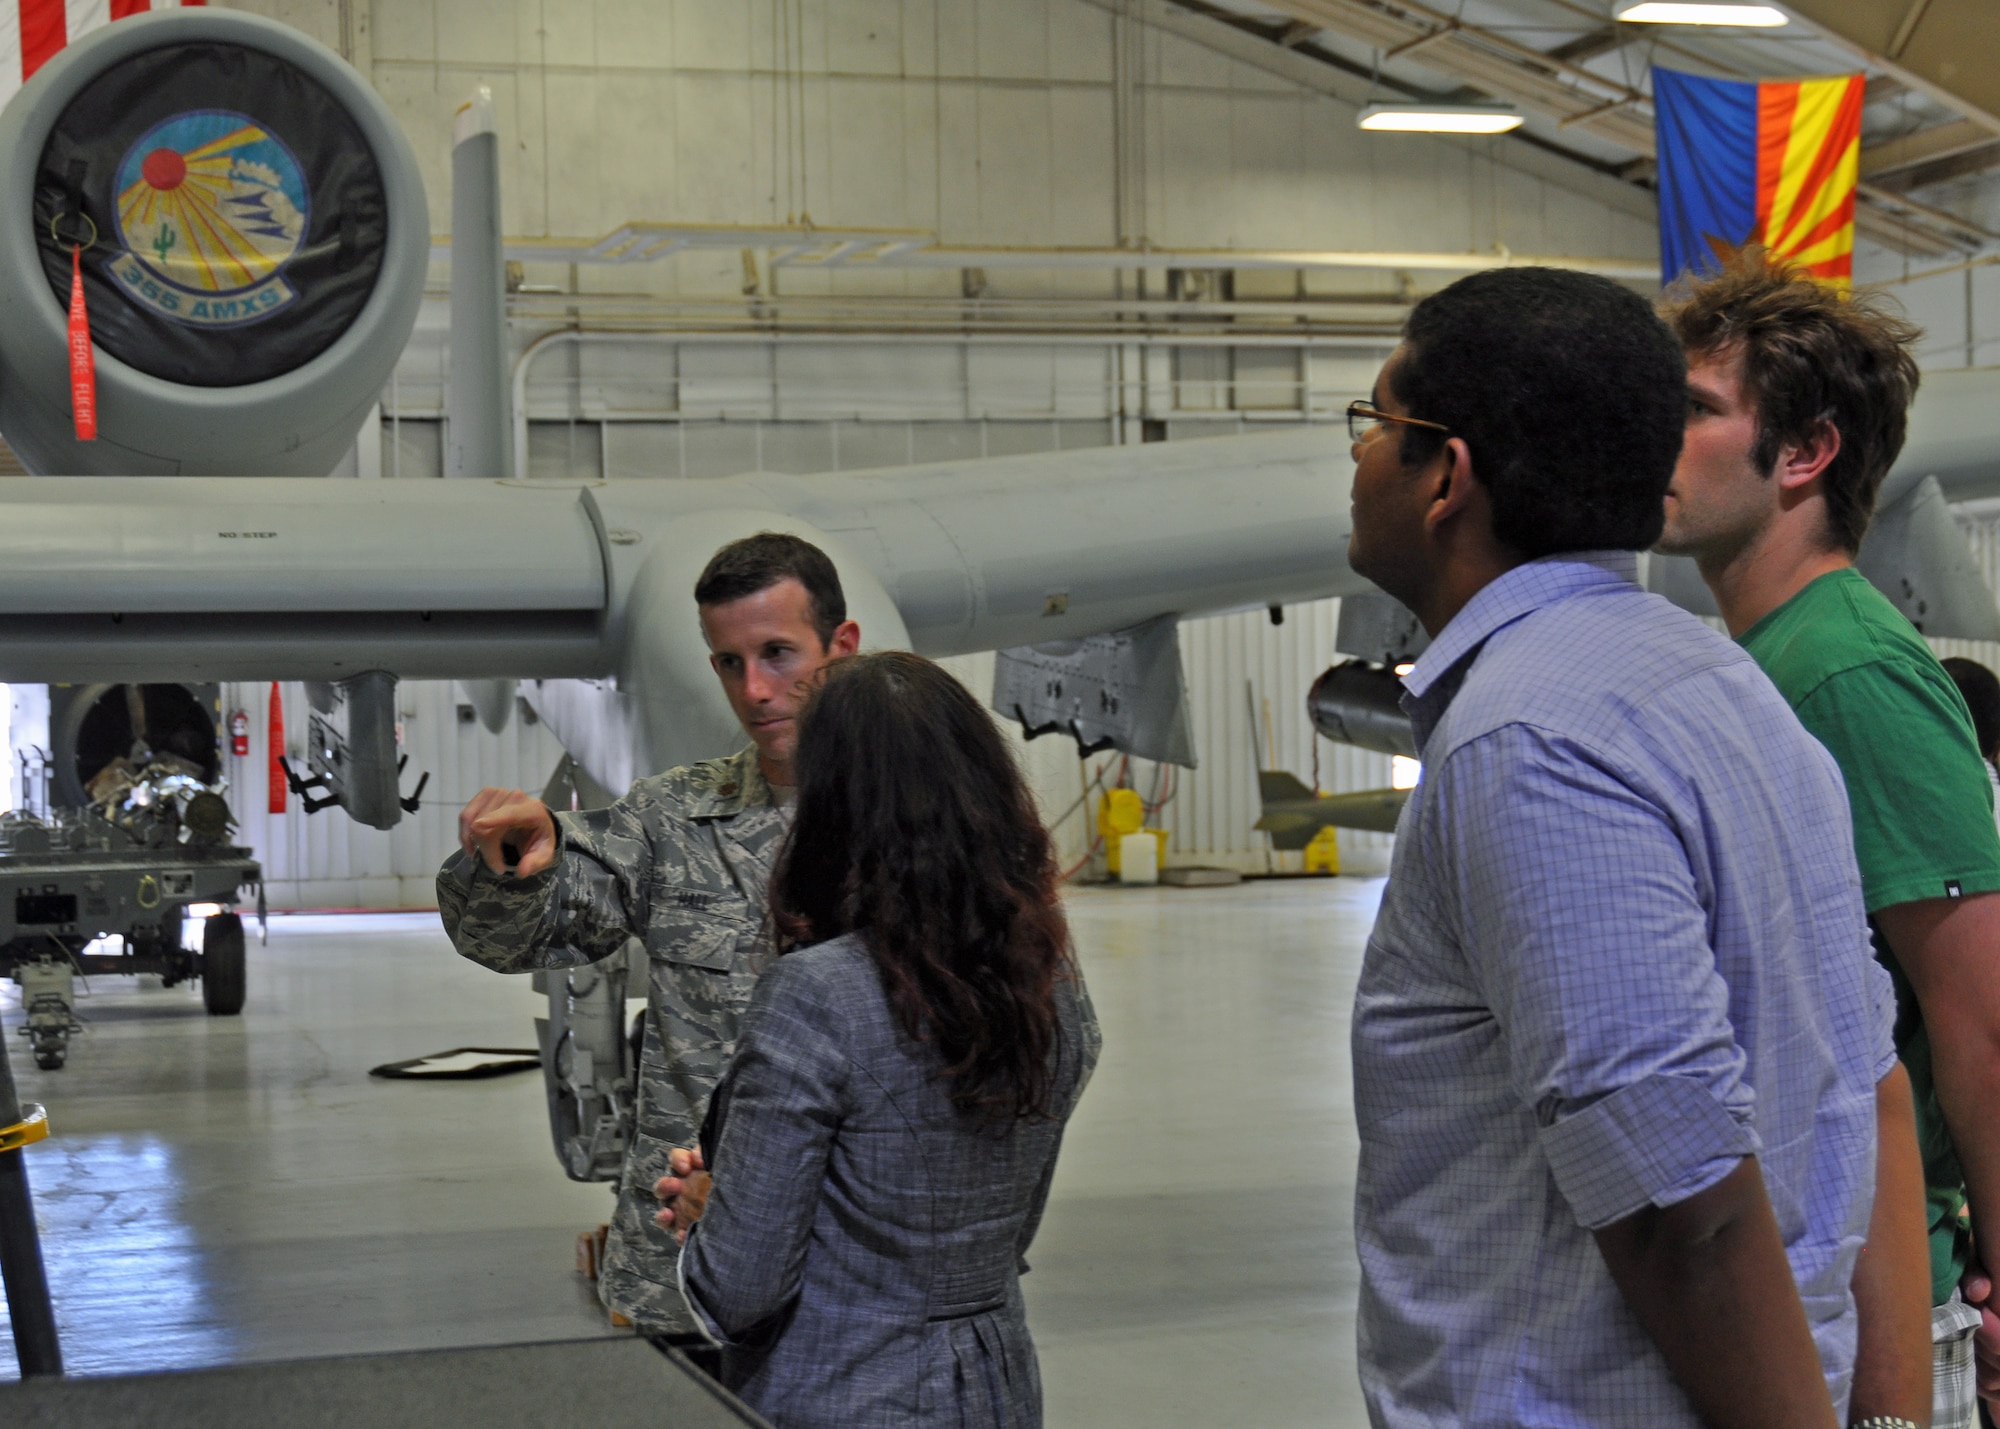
x=860 y=1256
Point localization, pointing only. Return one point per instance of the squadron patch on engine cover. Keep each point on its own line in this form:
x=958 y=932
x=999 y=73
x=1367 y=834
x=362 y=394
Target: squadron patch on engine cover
x=211 y=208
x=240 y=214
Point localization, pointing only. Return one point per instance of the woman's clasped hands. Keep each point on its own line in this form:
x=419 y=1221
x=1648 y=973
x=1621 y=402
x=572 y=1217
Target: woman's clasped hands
x=684 y=1194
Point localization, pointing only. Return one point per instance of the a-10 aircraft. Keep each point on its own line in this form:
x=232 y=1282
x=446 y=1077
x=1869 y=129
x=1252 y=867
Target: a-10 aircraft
x=252 y=237
x=220 y=372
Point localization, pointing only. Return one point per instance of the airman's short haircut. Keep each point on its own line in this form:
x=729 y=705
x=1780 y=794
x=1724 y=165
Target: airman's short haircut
x=755 y=563
x=1810 y=354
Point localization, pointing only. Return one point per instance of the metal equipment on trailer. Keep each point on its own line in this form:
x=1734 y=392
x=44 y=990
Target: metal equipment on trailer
x=148 y=841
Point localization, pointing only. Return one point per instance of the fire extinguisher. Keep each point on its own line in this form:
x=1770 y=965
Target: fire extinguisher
x=239 y=733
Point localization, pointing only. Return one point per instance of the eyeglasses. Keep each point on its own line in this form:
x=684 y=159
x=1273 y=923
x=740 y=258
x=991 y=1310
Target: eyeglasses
x=1362 y=419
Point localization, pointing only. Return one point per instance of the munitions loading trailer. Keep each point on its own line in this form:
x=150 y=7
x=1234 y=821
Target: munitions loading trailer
x=138 y=834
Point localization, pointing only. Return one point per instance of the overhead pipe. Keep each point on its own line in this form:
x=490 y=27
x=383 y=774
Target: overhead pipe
x=550 y=306
x=581 y=335
x=802 y=247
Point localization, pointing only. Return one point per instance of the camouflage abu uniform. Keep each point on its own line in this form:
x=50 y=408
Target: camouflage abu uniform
x=683 y=863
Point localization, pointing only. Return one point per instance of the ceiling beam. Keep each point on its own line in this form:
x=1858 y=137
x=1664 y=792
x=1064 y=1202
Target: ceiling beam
x=1885 y=88
x=1962 y=165
x=1891 y=156
x=1938 y=47
x=1598 y=42
x=1897 y=221
x=1559 y=88
x=1498 y=66
x=1267 y=45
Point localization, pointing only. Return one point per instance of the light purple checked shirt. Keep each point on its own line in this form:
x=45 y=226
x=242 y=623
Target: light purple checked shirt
x=1622 y=947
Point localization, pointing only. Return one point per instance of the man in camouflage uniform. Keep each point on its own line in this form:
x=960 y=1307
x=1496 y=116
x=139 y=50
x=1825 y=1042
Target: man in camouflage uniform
x=682 y=862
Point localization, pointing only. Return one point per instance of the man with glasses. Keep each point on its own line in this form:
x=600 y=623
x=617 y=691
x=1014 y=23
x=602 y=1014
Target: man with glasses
x=1618 y=1032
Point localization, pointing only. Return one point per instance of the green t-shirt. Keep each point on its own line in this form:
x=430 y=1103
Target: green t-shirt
x=1865 y=685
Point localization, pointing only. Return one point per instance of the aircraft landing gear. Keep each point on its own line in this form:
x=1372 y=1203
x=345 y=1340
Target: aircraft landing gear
x=589 y=1065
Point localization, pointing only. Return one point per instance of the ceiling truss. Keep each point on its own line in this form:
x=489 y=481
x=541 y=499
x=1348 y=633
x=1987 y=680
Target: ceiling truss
x=1924 y=45
x=1557 y=85
x=1890 y=157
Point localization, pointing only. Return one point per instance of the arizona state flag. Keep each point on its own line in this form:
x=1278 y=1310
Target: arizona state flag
x=1772 y=164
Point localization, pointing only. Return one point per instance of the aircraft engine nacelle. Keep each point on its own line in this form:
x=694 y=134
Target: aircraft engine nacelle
x=1358 y=703
x=92 y=726
x=254 y=239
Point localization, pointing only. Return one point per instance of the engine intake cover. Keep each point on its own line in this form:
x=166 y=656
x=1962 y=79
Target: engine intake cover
x=238 y=212
x=260 y=245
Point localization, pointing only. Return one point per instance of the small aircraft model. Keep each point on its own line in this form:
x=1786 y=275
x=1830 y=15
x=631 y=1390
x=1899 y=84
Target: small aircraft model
x=1293 y=814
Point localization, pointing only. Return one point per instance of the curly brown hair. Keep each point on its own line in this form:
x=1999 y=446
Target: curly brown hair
x=1811 y=354
x=915 y=829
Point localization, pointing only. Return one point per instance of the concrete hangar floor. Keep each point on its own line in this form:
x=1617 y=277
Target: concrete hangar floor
x=220 y=1190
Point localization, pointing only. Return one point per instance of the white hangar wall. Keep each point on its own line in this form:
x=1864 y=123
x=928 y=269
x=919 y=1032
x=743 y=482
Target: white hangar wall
x=987 y=122
x=990 y=121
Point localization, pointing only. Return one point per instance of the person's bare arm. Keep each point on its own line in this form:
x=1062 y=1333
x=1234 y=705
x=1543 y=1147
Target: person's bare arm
x=1892 y=1279
x=1949 y=948
x=1708 y=1279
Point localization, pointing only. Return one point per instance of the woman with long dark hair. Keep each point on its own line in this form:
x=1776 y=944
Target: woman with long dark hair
x=883 y=1139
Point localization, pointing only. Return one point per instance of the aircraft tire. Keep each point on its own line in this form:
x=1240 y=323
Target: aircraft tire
x=223 y=981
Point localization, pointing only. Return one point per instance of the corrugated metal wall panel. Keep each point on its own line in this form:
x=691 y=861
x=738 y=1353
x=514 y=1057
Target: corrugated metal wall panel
x=1983 y=535
x=1247 y=681
x=326 y=860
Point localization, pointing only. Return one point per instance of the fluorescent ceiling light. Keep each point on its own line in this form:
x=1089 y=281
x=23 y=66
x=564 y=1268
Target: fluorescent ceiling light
x=1440 y=118
x=1668 y=12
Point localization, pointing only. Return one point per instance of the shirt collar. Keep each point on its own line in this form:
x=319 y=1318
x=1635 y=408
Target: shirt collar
x=1521 y=591
x=729 y=786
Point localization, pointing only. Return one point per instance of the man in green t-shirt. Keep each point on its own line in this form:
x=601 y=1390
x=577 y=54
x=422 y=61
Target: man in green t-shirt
x=1797 y=404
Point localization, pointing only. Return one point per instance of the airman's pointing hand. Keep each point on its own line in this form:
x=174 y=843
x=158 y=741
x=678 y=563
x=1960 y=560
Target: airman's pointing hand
x=500 y=823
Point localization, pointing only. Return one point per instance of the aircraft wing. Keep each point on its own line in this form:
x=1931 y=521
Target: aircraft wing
x=143 y=579
x=129 y=569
